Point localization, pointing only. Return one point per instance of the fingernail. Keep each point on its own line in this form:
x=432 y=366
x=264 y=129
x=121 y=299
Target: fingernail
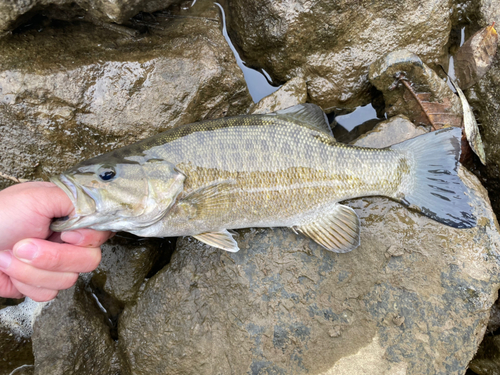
x=72 y=237
x=26 y=251
x=5 y=259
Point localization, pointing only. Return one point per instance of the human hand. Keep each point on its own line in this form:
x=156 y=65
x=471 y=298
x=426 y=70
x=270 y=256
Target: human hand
x=34 y=261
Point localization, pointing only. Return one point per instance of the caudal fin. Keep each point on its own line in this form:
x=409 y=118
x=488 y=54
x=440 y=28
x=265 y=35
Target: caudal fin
x=436 y=190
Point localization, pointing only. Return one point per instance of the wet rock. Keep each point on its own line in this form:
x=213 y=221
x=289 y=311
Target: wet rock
x=16 y=12
x=291 y=93
x=24 y=370
x=395 y=130
x=487 y=358
x=104 y=90
x=16 y=328
x=414 y=298
x=71 y=336
x=387 y=75
x=15 y=350
x=332 y=44
x=126 y=261
x=494 y=323
x=484 y=97
x=489 y=12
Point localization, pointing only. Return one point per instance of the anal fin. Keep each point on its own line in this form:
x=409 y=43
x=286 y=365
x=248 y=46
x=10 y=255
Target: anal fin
x=337 y=231
x=222 y=240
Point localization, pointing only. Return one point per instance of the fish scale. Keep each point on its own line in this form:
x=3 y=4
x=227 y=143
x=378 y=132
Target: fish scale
x=274 y=186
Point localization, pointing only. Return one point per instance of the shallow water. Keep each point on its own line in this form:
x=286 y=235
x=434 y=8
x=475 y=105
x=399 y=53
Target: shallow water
x=258 y=84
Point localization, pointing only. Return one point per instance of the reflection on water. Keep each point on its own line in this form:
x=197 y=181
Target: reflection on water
x=451 y=62
x=357 y=117
x=347 y=128
x=257 y=82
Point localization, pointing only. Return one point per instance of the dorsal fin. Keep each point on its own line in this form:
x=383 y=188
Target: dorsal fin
x=309 y=114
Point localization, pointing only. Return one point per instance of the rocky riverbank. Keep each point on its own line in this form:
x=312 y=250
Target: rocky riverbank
x=81 y=78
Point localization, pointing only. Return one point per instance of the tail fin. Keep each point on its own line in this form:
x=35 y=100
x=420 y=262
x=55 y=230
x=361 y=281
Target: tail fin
x=437 y=191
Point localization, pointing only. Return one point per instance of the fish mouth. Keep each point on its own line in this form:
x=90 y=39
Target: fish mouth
x=84 y=204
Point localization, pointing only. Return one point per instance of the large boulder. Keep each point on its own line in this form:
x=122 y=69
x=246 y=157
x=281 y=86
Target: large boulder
x=414 y=298
x=484 y=97
x=331 y=44
x=74 y=91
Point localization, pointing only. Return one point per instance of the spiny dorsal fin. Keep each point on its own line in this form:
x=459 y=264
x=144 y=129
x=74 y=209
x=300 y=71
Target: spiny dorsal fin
x=222 y=240
x=336 y=231
x=309 y=114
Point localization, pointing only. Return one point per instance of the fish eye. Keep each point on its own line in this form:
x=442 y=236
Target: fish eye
x=106 y=173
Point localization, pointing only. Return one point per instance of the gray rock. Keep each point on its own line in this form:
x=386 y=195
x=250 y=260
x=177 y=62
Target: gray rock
x=484 y=97
x=291 y=93
x=104 y=91
x=395 y=130
x=71 y=336
x=489 y=12
x=332 y=44
x=16 y=12
x=399 y=100
x=126 y=261
x=414 y=298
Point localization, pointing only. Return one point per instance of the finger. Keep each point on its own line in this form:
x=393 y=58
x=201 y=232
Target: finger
x=35 y=293
x=7 y=288
x=30 y=275
x=86 y=237
x=57 y=257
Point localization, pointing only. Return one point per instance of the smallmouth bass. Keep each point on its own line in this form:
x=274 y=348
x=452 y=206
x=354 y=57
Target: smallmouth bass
x=282 y=169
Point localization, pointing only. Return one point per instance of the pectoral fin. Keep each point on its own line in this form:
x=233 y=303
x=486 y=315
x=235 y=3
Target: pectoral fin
x=223 y=240
x=214 y=197
x=336 y=231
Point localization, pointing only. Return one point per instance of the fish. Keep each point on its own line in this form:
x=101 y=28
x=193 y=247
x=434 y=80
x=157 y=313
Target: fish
x=282 y=169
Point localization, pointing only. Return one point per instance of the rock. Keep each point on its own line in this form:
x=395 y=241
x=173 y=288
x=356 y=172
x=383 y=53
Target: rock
x=71 y=336
x=16 y=327
x=24 y=370
x=489 y=12
x=16 y=12
x=484 y=97
x=395 y=130
x=414 y=298
x=126 y=261
x=16 y=351
x=494 y=323
x=104 y=91
x=332 y=44
x=487 y=358
x=432 y=90
x=291 y=93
